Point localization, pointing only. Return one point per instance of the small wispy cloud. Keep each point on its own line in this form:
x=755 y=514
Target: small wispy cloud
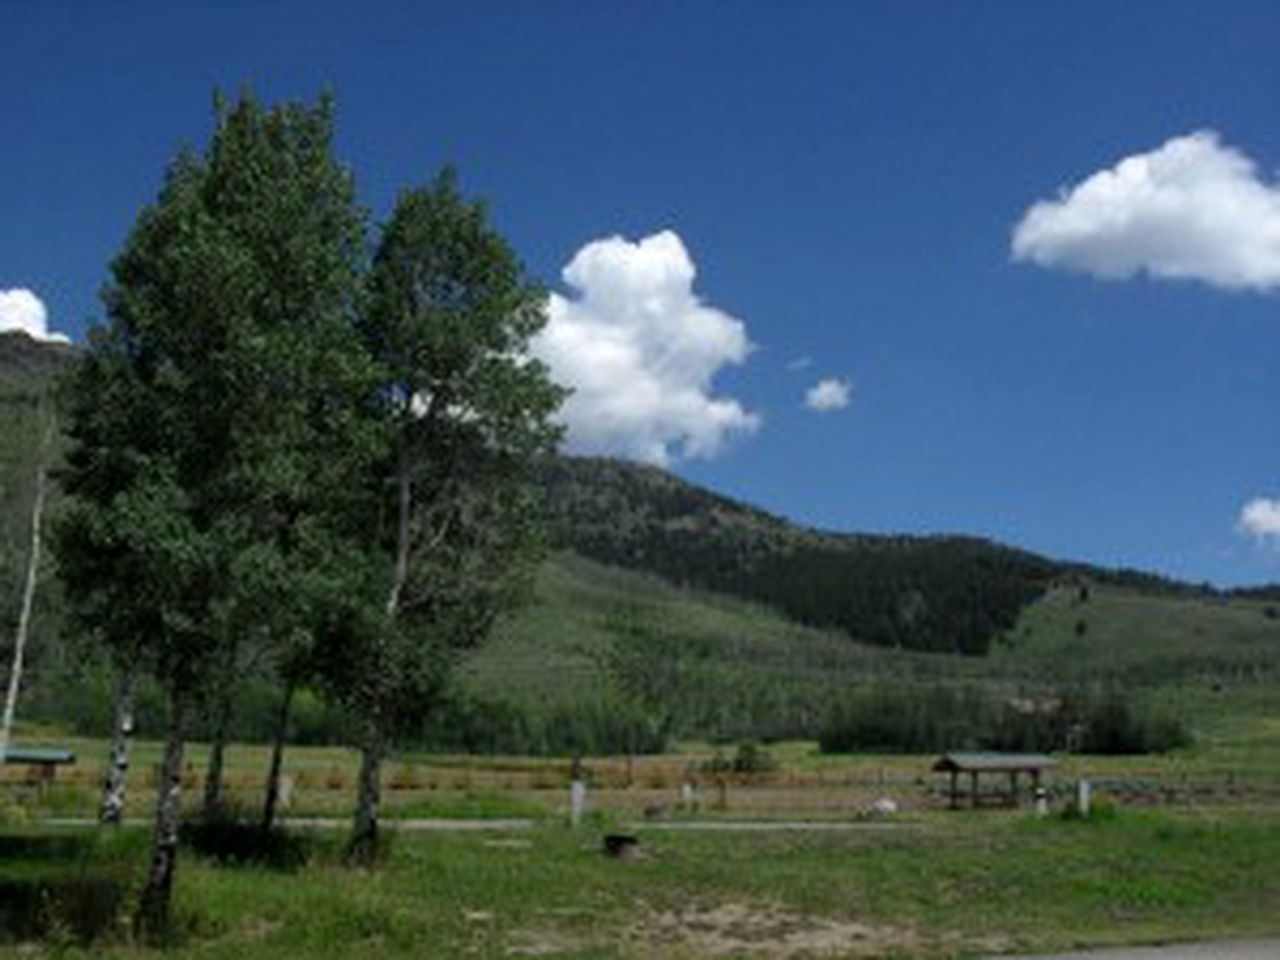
x=1260 y=519
x=20 y=309
x=830 y=393
x=799 y=363
x=1193 y=209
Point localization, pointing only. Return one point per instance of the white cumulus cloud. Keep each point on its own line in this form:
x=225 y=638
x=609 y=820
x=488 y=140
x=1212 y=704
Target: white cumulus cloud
x=21 y=309
x=1192 y=209
x=1260 y=518
x=640 y=351
x=828 y=394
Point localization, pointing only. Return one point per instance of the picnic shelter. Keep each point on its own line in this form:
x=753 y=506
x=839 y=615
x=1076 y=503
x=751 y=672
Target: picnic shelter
x=1008 y=769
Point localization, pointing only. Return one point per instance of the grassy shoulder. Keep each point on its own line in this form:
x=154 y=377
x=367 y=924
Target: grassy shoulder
x=948 y=886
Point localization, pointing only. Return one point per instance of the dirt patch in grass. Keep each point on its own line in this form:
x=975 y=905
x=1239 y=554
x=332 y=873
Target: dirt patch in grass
x=542 y=943
x=739 y=929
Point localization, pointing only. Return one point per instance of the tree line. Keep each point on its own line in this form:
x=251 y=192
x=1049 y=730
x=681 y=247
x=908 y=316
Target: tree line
x=297 y=445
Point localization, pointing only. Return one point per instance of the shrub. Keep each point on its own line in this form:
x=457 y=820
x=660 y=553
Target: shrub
x=231 y=840
x=905 y=719
x=752 y=758
x=60 y=885
x=1113 y=725
x=1100 y=811
x=607 y=725
x=749 y=757
x=938 y=718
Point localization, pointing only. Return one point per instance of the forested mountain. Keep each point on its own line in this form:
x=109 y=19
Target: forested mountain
x=934 y=593
x=949 y=594
x=27 y=372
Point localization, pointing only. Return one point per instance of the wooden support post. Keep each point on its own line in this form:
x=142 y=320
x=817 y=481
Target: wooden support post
x=955 y=790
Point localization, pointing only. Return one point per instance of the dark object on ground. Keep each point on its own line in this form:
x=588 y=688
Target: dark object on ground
x=81 y=905
x=621 y=846
x=231 y=841
x=63 y=884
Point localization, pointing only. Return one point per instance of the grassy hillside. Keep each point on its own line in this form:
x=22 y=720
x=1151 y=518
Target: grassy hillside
x=705 y=664
x=21 y=384
x=1091 y=633
x=27 y=369
x=673 y=611
x=734 y=667
x=1103 y=632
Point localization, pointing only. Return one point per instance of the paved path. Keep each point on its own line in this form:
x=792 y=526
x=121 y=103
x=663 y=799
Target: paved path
x=766 y=826
x=344 y=823
x=514 y=823
x=1220 y=950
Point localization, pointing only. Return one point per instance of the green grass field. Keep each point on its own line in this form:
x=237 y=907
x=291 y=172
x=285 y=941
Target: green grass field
x=1190 y=854
x=941 y=886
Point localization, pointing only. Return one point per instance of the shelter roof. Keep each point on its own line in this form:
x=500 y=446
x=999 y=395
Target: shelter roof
x=987 y=762
x=39 y=755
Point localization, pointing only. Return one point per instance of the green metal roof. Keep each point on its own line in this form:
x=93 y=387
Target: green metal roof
x=45 y=755
x=984 y=762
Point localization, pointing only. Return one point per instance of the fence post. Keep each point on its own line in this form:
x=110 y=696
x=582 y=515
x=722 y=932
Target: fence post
x=1084 y=797
x=577 y=792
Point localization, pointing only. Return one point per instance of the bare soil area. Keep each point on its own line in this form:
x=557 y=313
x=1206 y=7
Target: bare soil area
x=1219 y=950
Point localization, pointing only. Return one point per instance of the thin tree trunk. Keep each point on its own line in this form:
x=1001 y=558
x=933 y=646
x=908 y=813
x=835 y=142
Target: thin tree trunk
x=113 y=788
x=212 y=807
x=28 y=598
x=363 y=847
x=277 y=759
x=404 y=498
x=152 y=922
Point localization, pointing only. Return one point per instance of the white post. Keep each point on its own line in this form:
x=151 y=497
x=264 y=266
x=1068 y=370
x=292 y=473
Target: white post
x=1042 y=802
x=686 y=796
x=1084 y=797
x=577 y=801
x=286 y=791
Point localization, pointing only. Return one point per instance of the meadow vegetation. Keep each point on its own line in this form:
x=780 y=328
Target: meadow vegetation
x=938 y=887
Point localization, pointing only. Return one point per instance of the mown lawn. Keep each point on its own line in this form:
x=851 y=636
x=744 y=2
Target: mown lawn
x=939 y=886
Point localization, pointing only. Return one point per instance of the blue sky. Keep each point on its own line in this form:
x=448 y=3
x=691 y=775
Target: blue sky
x=845 y=178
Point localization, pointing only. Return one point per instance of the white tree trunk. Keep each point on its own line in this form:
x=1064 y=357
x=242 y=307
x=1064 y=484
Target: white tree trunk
x=28 y=598
x=152 y=922
x=404 y=513
x=113 y=788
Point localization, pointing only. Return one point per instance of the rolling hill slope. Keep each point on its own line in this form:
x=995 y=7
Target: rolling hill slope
x=27 y=370
x=679 y=611
x=948 y=594
x=730 y=668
